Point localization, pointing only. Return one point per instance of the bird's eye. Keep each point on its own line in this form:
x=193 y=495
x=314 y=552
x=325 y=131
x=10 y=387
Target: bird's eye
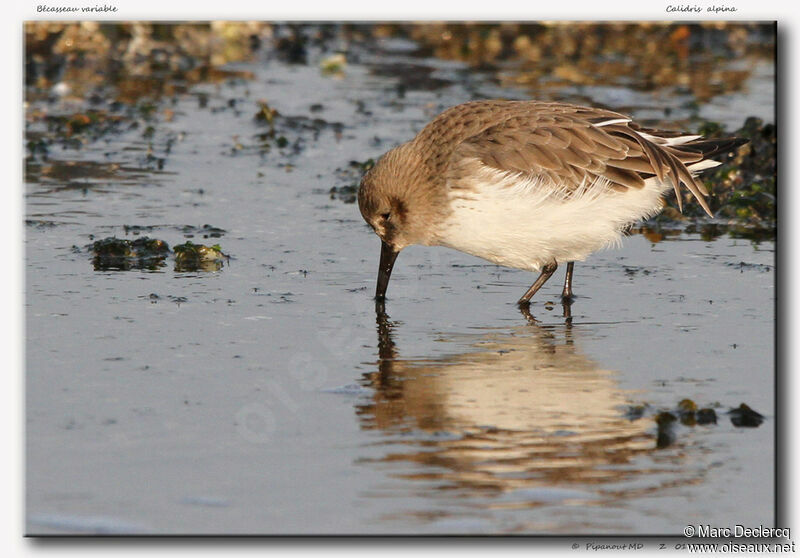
x=385 y=216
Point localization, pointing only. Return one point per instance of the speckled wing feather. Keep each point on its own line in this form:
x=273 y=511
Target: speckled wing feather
x=571 y=146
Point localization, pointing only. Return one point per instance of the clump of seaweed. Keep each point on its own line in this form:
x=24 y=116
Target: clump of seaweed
x=120 y=254
x=123 y=255
x=688 y=413
x=745 y=186
x=691 y=415
x=744 y=416
x=198 y=257
x=333 y=65
x=265 y=114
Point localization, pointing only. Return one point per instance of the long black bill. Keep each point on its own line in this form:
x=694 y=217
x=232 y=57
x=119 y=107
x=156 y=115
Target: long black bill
x=388 y=256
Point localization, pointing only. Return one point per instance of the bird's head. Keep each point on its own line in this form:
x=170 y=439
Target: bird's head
x=400 y=200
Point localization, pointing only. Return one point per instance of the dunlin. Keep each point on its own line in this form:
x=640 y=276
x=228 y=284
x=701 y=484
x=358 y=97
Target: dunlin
x=528 y=184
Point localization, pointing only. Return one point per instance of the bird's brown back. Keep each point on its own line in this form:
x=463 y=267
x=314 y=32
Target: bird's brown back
x=570 y=145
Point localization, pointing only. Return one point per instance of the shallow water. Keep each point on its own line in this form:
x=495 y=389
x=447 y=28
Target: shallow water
x=268 y=397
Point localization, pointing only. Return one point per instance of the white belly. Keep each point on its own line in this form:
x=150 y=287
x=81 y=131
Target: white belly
x=523 y=225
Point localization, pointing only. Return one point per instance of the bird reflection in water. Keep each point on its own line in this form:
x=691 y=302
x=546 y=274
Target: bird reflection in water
x=520 y=413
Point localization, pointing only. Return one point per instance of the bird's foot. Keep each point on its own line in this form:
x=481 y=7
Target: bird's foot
x=380 y=305
x=567 y=298
x=525 y=309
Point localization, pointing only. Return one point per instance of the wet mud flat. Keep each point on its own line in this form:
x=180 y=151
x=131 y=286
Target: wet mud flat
x=266 y=395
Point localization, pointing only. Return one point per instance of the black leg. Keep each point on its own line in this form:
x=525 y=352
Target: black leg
x=547 y=271
x=566 y=294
